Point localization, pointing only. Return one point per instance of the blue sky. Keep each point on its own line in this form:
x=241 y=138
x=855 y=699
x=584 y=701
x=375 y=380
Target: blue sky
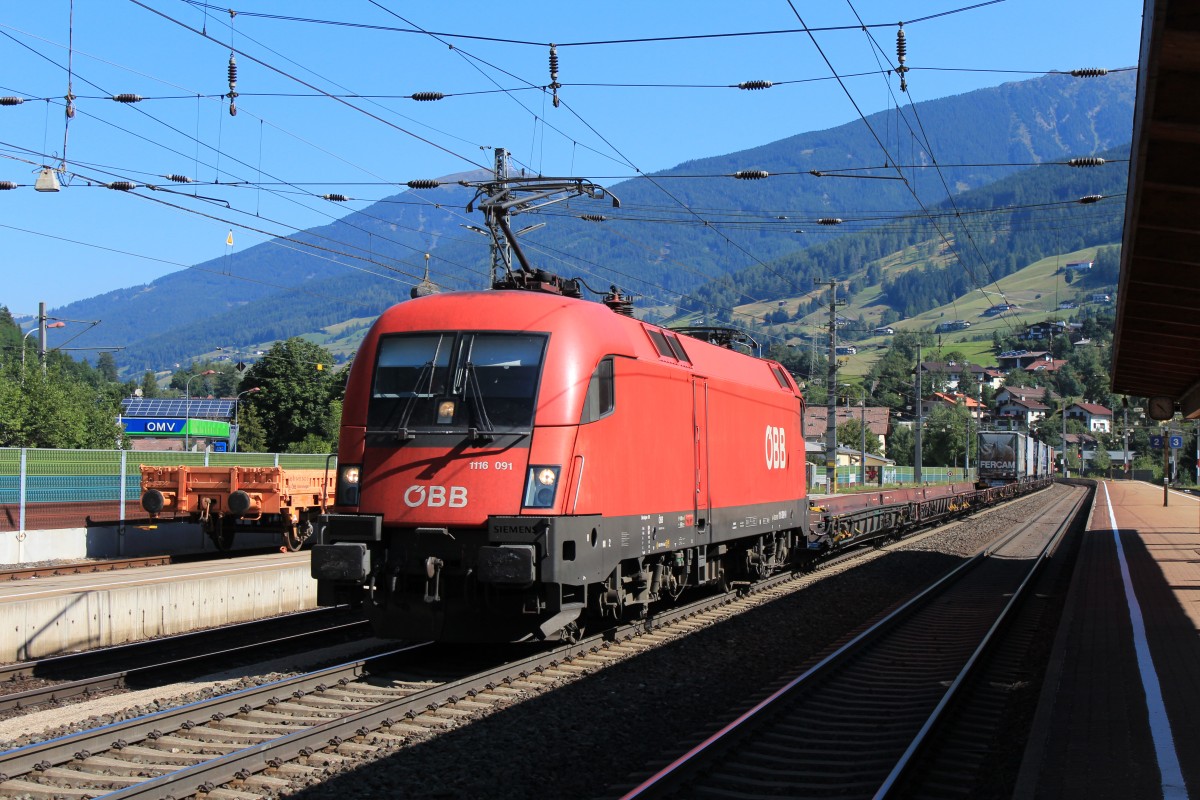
x=646 y=106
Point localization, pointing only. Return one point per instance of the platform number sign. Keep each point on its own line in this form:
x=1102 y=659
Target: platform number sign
x=1176 y=441
x=1156 y=441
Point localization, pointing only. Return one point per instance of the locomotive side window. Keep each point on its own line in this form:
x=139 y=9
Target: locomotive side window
x=781 y=378
x=600 y=399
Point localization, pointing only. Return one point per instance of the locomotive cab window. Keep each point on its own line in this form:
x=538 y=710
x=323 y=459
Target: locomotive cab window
x=781 y=377
x=452 y=382
x=599 y=400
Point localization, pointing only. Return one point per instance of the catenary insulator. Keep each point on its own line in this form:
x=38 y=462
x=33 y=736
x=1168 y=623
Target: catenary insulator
x=127 y=98
x=1087 y=199
x=901 y=46
x=1089 y=72
x=337 y=198
x=232 y=86
x=11 y=101
x=554 y=84
x=178 y=178
x=427 y=96
x=1087 y=161
x=751 y=174
x=6 y=185
x=593 y=217
x=122 y=186
x=70 y=98
x=423 y=183
x=755 y=85
x=829 y=221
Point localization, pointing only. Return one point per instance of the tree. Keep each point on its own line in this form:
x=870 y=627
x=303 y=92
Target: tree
x=56 y=409
x=106 y=366
x=900 y=445
x=294 y=407
x=149 y=385
x=1101 y=462
x=946 y=435
x=849 y=433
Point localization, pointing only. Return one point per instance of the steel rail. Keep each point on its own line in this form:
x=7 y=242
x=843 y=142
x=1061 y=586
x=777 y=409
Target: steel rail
x=1018 y=596
x=118 y=680
x=670 y=777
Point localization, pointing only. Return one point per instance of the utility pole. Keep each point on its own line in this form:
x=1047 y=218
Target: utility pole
x=917 y=457
x=831 y=397
x=862 y=440
x=1125 y=426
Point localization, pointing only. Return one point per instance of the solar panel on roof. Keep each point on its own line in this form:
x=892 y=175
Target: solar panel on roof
x=196 y=408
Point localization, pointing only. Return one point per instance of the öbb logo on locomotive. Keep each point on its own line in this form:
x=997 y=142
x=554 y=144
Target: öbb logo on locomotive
x=435 y=496
x=776 y=448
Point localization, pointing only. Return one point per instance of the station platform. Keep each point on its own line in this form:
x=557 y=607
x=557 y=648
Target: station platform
x=1119 y=713
x=46 y=616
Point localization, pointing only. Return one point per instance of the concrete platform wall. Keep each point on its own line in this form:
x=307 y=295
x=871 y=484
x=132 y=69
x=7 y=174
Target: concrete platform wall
x=67 y=544
x=58 y=623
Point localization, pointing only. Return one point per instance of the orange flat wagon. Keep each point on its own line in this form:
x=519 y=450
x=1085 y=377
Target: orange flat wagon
x=224 y=500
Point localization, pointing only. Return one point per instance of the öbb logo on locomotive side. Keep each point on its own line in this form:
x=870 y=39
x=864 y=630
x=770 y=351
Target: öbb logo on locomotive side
x=776 y=448
x=417 y=495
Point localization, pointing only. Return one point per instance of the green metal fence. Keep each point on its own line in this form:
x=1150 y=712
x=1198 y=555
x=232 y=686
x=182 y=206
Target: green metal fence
x=42 y=489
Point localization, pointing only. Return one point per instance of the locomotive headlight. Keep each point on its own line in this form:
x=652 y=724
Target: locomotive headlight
x=347 y=484
x=541 y=485
x=445 y=412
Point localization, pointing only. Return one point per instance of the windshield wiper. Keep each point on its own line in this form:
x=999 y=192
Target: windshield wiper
x=401 y=431
x=481 y=415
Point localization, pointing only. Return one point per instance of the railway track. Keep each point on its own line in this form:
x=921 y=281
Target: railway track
x=852 y=724
x=105 y=669
x=256 y=741
x=259 y=739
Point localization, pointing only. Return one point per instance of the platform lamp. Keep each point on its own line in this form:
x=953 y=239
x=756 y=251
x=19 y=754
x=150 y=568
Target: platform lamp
x=187 y=407
x=235 y=410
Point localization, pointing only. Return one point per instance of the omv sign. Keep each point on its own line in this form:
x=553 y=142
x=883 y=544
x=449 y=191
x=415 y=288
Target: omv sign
x=159 y=426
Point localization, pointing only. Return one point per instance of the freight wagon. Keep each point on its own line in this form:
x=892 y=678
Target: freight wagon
x=223 y=500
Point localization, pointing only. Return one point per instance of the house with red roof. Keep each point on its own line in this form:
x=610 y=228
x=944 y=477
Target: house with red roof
x=978 y=410
x=1049 y=366
x=1095 y=417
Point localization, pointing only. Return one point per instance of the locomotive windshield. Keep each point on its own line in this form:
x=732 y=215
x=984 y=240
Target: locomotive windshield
x=454 y=382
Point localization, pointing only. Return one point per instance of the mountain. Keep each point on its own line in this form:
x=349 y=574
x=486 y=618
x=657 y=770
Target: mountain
x=369 y=259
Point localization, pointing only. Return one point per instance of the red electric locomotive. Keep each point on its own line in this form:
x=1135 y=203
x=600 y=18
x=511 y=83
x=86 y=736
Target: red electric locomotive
x=514 y=464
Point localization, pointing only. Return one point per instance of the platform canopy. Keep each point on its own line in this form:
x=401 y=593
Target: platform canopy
x=1157 y=343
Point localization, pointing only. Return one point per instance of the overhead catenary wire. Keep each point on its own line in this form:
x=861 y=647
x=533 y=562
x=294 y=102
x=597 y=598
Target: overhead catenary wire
x=700 y=221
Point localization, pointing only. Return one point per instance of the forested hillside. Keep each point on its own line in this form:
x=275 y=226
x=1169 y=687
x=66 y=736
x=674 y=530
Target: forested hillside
x=671 y=235
x=958 y=256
